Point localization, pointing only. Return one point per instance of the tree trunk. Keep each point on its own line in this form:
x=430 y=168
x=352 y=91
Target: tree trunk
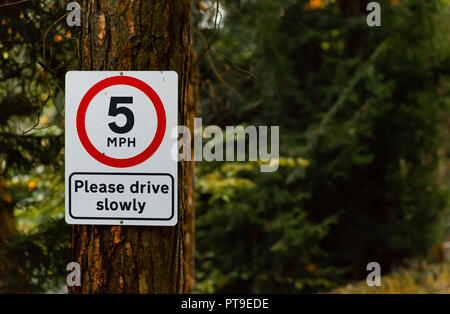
x=189 y=215
x=139 y=35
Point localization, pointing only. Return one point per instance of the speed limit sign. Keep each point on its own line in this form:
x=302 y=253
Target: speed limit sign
x=119 y=169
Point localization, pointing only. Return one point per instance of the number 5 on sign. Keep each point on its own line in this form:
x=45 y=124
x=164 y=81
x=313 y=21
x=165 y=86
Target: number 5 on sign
x=114 y=111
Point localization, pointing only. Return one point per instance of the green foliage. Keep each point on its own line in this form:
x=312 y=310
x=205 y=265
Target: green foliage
x=39 y=258
x=364 y=105
x=36 y=50
x=250 y=239
x=360 y=112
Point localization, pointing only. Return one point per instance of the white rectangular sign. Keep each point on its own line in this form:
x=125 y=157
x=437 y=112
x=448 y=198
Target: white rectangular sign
x=119 y=167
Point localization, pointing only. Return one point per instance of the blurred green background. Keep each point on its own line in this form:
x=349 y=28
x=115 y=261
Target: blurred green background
x=364 y=142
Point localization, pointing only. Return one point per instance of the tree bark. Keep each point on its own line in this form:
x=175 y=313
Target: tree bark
x=139 y=35
x=189 y=216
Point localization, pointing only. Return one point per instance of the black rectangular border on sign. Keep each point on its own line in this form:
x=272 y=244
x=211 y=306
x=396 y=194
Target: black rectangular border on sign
x=122 y=173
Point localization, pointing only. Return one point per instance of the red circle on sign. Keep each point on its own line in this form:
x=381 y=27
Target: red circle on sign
x=160 y=129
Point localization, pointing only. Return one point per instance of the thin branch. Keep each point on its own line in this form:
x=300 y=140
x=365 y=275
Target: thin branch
x=221 y=79
x=217 y=54
x=213 y=38
x=12 y=3
x=17 y=136
x=60 y=115
x=38 y=116
x=44 y=38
